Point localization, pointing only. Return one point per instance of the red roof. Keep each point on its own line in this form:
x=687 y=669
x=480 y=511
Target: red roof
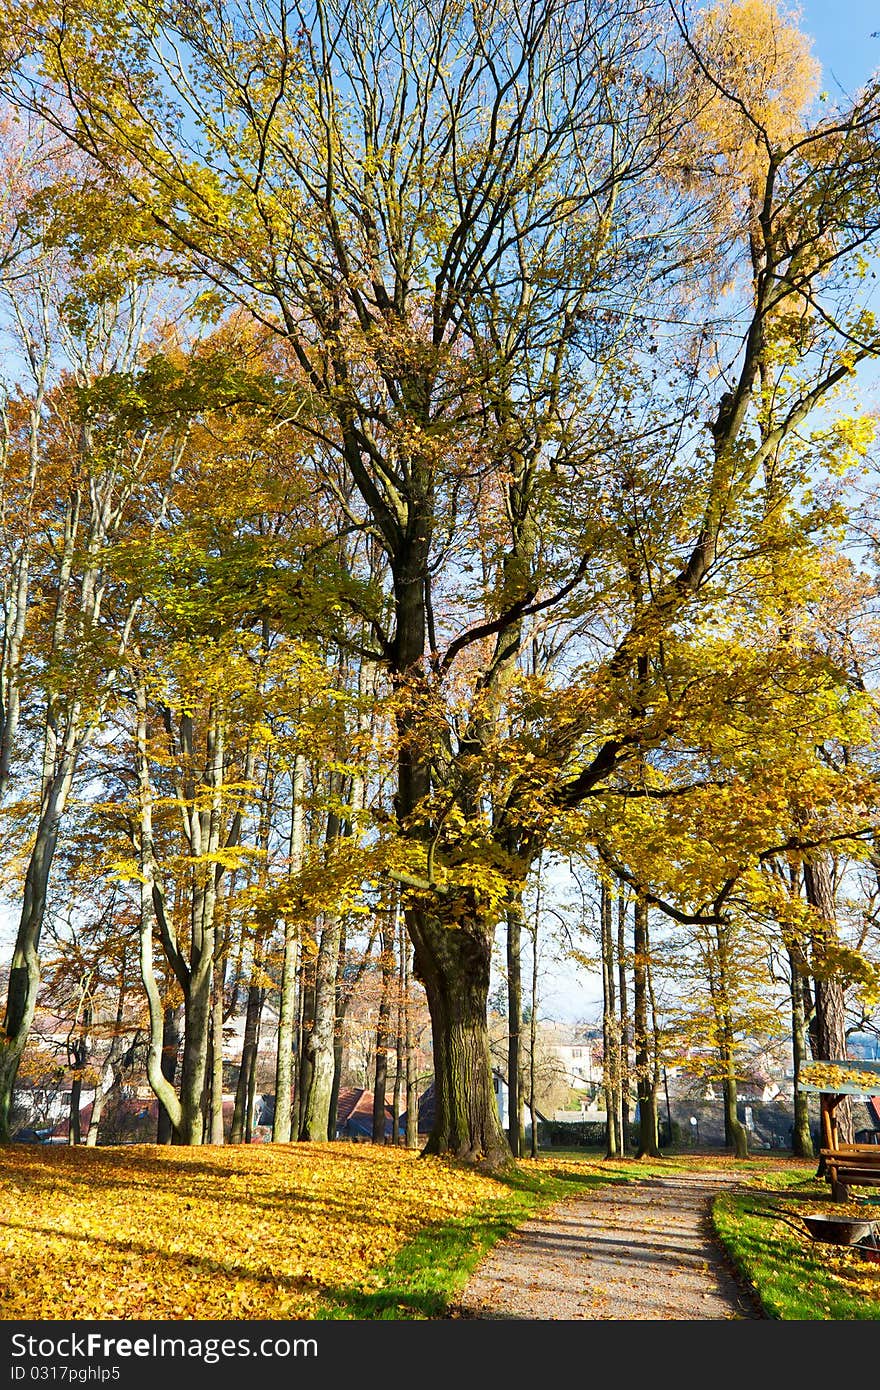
x=354 y=1111
x=135 y=1109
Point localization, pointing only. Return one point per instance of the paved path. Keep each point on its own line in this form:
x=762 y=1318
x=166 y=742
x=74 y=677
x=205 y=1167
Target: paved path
x=641 y=1250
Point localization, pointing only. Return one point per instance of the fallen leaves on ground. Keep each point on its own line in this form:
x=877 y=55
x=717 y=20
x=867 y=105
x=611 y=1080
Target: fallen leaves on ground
x=213 y=1233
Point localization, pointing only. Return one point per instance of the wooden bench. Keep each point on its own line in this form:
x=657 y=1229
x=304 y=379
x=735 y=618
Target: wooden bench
x=851 y=1165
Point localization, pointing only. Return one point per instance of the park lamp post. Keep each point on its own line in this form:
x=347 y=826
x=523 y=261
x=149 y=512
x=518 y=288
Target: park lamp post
x=695 y=1126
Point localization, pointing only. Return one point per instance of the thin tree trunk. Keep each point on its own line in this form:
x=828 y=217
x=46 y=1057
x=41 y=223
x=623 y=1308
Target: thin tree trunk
x=338 y=1036
x=515 y=1129
x=215 y=1131
x=645 y=1090
x=624 y=1017
x=251 y=1100
x=74 y=1135
x=383 y=1027
x=610 y=1041
x=151 y=903
x=110 y=1071
x=801 y=1138
x=18 y=593
x=205 y=843
x=282 y=1125
x=110 y=1078
x=66 y=728
x=316 y=1114
x=77 y=1056
x=657 y=1049
x=397 y=1093
x=306 y=1024
x=250 y=1041
x=412 y=1087
x=170 y=1049
x=24 y=973
x=533 y=1018
x=738 y=1138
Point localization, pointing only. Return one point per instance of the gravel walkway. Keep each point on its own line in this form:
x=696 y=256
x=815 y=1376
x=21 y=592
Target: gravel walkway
x=641 y=1250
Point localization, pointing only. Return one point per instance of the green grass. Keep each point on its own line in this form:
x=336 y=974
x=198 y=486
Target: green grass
x=796 y=1278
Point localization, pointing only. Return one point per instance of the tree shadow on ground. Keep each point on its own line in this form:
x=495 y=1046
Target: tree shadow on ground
x=424 y=1276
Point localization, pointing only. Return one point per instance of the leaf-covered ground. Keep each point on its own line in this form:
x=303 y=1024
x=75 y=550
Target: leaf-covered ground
x=246 y=1232
x=345 y=1230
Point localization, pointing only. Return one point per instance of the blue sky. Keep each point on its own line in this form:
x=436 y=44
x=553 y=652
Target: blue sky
x=841 y=32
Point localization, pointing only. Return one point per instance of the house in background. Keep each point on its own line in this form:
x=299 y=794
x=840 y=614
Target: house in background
x=354 y=1115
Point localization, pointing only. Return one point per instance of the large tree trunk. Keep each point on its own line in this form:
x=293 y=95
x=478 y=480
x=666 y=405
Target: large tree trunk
x=829 y=1031
x=452 y=954
x=453 y=961
x=648 y=1146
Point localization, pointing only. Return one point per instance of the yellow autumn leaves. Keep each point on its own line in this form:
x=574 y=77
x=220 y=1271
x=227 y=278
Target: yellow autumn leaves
x=826 y=1075
x=246 y=1232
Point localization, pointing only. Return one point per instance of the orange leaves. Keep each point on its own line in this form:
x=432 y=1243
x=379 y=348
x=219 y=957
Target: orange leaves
x=251 y=1232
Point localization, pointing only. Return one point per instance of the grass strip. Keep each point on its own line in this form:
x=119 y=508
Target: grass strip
x=797 y=1278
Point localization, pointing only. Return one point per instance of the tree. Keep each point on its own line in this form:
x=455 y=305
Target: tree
x=448 y=218
x=90 y=461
